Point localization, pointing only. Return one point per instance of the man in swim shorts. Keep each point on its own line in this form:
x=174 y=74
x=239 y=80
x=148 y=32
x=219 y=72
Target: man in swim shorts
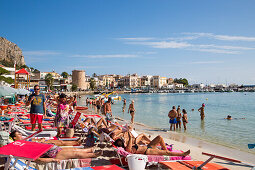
x=172 y=115
x=38 y=107
x=108 y=109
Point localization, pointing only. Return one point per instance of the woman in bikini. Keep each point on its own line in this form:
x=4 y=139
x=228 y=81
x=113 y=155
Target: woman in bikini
x=184 y=119
x=131 y=109
x=150 y=149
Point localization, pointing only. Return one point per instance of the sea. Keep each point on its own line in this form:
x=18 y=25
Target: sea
x=152 y=109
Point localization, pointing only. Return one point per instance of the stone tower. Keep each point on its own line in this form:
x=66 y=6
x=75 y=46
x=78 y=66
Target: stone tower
x=78 y=78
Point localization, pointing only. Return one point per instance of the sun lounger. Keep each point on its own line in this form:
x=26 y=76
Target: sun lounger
x=28 y=133
x=20 y=165
x=151 y=158
x=29 y=151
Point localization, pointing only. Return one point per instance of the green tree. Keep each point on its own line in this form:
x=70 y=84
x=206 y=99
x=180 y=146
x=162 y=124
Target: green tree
x=49 y=80
x=64 y=74
x=8 y=80
x=181 y=81
x=92 y=84
x=74 y=87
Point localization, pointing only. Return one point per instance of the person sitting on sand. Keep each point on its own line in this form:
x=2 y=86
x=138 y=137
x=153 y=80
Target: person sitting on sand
x=55 y=154
x=172 y=115
x=150 y=149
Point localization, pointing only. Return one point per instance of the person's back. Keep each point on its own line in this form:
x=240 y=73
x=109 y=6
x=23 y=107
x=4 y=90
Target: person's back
x=172 y=115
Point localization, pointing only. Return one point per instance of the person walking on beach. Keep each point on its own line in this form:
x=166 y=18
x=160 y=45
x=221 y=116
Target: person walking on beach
x=108 y=109
x=38 y=107
x=184 y=119
x=202 y=111
x=98 y=105
x=178 y=118
x=131 y=109
x=172 y=115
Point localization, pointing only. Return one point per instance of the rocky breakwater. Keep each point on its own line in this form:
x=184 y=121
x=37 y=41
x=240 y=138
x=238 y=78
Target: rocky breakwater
x=10 y=52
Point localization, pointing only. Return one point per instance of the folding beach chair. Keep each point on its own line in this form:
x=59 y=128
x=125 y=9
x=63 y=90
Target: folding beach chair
x=198 y=165
x=121 y=152
x=29 y=151
x=28 y=133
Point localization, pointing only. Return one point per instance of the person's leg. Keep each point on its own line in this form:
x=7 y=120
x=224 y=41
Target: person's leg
x=171 y=126
x=59 y=131
x=174 y=126
x=166 y=152
x=184 y=125
x=180 y=124
x=39 y=119
x=63 y=143
x=100 y=122
x=158 y=140
x=142 y=138
x=132 y=116
x=33 y=121
x=72 y=153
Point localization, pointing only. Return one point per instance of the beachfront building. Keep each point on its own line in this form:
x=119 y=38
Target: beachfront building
x=198 y=86
x=170 y=81
x=178 y=86
x=159 y=82
x=146 y=81
x=129 y=81
x=108 y=81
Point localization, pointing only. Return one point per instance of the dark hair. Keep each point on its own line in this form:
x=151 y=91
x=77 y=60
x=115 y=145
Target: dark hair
x=36 y=86
x=13 y=134
x=62 y=95
x=229 y=116
x=174 y=107
x=184 y=111
x=117 y=143
x=109 y=99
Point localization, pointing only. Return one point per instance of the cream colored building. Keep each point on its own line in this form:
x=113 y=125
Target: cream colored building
x=158 y=82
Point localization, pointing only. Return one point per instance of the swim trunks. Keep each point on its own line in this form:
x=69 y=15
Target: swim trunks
x=173 y=121
x=36 y=117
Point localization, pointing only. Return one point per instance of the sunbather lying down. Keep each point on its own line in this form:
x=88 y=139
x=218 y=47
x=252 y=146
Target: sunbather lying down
x=55 y=154
x=15 y=135
x=150 y=149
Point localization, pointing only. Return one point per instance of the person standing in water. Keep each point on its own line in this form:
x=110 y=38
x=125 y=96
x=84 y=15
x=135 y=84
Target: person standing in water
x=202 y=111
x=184 y=118
x=172 y=115
x=178 y=118
x=131 y=109
x=124 y=105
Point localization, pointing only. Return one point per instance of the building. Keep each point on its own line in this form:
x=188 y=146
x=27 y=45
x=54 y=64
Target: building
x=146 y=81
x=158 y=82
x=79 y=79
x=198 y=86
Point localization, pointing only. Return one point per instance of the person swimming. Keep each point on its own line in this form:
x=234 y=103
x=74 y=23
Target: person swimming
x=230 y=118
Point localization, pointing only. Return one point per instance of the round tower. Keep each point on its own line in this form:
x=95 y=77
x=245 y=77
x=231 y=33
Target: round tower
x=78 y=78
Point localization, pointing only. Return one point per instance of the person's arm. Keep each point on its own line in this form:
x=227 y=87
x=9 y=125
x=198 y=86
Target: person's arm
x=30 y=99
x=130 y=143
x=199 y=109
x=47 y=160
x=70 y=101
x=128 y=109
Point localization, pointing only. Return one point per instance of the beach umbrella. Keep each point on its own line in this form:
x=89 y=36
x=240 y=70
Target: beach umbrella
x=22 y=92
x=6 y=91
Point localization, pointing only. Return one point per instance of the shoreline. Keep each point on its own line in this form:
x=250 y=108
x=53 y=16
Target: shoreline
x=197 y=146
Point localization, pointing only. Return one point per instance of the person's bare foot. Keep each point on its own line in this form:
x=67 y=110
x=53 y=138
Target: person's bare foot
x=186 y=153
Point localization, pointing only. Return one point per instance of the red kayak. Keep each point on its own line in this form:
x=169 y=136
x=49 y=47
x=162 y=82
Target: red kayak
x=81 y=108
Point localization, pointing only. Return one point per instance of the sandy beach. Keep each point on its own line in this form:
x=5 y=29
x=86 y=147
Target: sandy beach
x=196 y=146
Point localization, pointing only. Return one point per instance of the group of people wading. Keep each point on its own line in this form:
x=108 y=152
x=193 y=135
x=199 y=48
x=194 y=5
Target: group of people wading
x=176 y=117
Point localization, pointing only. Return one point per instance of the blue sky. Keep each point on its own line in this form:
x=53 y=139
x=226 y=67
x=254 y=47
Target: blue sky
x=201 y=40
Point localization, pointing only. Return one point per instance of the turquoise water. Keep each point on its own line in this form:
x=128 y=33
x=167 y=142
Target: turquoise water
x=152 y=109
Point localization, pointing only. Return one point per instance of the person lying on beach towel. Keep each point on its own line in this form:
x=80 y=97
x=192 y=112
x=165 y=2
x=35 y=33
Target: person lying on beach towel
x=150 y=149
x=15 y=135
x=55 y=154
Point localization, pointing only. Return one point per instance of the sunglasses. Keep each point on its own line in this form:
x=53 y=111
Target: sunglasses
x=37 y=89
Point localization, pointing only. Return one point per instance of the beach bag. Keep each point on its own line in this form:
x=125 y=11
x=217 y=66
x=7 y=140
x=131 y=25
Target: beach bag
x=69 y=132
